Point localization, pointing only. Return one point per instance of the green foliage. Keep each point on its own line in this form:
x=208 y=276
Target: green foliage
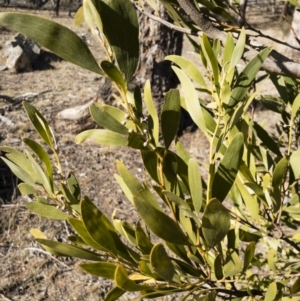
x=205 y=235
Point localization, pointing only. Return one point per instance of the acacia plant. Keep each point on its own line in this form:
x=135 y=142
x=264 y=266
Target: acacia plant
x=232 y=234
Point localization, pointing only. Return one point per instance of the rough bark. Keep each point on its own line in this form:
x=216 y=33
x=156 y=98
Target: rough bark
x=156 y=42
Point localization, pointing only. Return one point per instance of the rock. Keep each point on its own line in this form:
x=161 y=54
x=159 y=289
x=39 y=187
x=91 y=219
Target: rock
x=19 y=54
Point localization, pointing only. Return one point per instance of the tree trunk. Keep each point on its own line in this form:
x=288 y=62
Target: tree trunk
x=156 y=42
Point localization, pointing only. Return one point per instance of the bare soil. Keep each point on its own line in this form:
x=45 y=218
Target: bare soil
x=26 y=271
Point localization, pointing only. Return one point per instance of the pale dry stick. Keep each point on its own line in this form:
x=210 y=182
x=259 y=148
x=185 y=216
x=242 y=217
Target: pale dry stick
x=52 y=257
x=3 y=298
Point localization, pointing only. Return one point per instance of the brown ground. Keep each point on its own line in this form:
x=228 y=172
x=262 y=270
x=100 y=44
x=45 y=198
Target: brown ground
x=26 y=272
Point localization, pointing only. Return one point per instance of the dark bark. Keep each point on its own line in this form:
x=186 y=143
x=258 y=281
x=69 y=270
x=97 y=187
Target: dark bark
x=156 y=42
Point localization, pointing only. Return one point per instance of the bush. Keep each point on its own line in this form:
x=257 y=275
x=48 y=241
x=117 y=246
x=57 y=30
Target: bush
x=232 y=234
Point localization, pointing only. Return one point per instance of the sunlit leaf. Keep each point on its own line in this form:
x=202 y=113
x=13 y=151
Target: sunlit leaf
x=233 y=264
x=68 y=250
x=123 y=282
x=238 y=49
x=43 y=156
x=210 y=57
x=40 y=124
x=191 y=101
x=103 y=137
x=271 y=292
x=195 y=184
x=49 y=211
x=189 y=68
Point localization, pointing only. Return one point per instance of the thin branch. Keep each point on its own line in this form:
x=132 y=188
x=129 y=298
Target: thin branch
x=168 y=24
x=47 y=253
x=276 y=63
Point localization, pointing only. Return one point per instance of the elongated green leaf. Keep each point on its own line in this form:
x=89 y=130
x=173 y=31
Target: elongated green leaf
x=159 y=223
x=191 y=101
x=228 y=168
x=26 y=189
x=295 y=108
x=294 y=162
x=266 y=139
x=42 y=154
x=123 y=282
x=153 y=124
x=195 y=184
x=218 y=267
x=68 y=250
x=250 y=201
x=135 y=187
x=249 y=254
x=150 y=163
x=125 y=229
x=233 y=264
x=73 y=186
x=228 y=51
x=215 y=222
x=238 y=49
x=100 y=269
x=271 y=292
x=114 y=74
x=143 y=240
x=189 y=68
x=79 y=17
x=96 y=224
x=161 y=262
x=104 y=119
x=114 y=294
x=40 y=124
x=272 y=260
x=91 y=16
x=244 y=80
x=57 y=38
x=210 y=57
x=103 y=137
x=170 y=117
x=296 y=287
x=19 y=172
x=49 y=211
x=79 y=227
x=120 y=26
x=41 y=177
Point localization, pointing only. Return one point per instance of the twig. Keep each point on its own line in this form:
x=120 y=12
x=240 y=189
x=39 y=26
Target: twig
x=5 y=298
x=191 y=32
x=47 y=253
